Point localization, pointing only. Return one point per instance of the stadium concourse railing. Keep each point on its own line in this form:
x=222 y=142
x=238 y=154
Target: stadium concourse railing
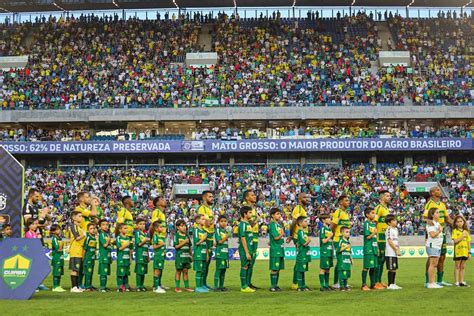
x=173 y=137
x=170 y=105
x=163 y=114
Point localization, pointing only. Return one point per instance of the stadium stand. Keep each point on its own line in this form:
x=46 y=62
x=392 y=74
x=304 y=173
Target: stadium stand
x=92 y=62
x=441 y=51
x=40 y=134
x=276 y=186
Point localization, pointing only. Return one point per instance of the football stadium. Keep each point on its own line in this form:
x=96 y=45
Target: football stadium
x=236 y=157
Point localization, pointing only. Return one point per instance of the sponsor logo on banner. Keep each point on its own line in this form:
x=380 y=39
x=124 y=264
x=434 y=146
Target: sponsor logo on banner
x=23 y=266
x=192 y=146
x=3 y=201
x=15 y=270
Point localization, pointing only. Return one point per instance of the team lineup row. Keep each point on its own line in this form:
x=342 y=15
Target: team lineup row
x=380 y=246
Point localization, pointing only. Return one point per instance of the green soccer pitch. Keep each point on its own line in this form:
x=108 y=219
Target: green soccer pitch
x=413 y=299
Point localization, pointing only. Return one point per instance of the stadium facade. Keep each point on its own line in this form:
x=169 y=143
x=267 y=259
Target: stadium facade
x=290 y=150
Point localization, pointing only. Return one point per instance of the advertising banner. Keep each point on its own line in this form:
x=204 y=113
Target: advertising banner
x=23 y=266
x=11 y=192
x=236 y=146
x=290 y=253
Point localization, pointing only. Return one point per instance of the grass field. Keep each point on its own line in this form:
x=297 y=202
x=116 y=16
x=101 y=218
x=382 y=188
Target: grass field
x=413 y=299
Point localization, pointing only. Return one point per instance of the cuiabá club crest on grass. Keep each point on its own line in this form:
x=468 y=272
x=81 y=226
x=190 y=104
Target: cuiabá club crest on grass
x=15 y=270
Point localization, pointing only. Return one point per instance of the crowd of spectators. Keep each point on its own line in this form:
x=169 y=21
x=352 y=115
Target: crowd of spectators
x=102 y=63
x=84 y=134
x=441 y=52
x=279 y=62
x=277 y=186
x=90 y=61
x=464 y=131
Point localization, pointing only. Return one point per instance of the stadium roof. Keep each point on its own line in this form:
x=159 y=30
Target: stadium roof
x=72 y=5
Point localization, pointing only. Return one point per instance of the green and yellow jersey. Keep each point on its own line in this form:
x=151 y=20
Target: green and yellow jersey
x=159 y=253
x=76 y=248
x=126 y=217
x=199 y=250
x=297 y=212
x=141 y=252
x=86 y=213
x=222 y=249
x=253 y=223
x=123 y=256
x=57 y=252
x=461 y=249
x=370 y=244
x=183 y=254
x=440 y=206
x=342 y=219
x=90 y=249
x=105 y=251
x=159 y=215
x=276 y=246
x=208 y=216
x=381 y=213
x=245 y=230
x=326 y=248
x=344 y=260
x=303 y=254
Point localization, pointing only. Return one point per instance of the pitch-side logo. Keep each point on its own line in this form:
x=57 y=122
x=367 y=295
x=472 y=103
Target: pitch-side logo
x=3 y=201
x=15 y=270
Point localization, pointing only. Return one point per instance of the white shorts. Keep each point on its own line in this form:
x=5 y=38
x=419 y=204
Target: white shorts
x=433 y=252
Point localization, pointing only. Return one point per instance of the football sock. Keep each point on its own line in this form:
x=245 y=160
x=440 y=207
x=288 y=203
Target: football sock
x=439 y=278
x=88 y=281
x=159 y=277
x=198 y=278
x=74 y=280
x=364 y=277
x=250 y=272
x=326 y=279
x=273 y=280
x=300 y=279
x=295 y=279
x=56 y=281
x=103 y=281
x=221 y=279
x=380 y=268
x=139 y=278
x=205 y=273
x=391 y=277
x=243 y=278
x=217 y=278
x=372 y=272
x=322 y=282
